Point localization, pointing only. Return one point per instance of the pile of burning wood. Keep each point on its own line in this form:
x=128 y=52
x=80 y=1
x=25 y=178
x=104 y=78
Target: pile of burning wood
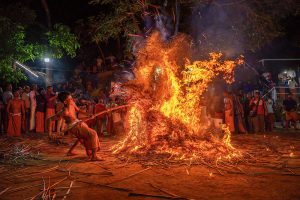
x=165 y=118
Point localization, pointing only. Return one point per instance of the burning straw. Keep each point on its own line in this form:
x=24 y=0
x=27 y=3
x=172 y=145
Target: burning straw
x=167 y=120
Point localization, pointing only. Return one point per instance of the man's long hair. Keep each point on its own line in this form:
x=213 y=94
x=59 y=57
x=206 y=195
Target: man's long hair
x=62 y=96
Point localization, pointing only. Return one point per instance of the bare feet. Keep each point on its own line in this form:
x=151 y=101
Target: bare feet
x=96 y=158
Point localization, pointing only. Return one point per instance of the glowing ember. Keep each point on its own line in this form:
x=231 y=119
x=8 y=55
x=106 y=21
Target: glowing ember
x=168 y=117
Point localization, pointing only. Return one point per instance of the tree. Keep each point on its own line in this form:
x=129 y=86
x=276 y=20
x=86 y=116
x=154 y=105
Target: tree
x=233 y=26
x=15 y=23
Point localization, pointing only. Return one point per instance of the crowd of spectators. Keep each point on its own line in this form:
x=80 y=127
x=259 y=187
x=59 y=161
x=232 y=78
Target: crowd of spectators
x=92 y=94
x=254 y=106
x=246 y=107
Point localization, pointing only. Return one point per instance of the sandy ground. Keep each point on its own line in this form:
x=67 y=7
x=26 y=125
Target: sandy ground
x=273 y=174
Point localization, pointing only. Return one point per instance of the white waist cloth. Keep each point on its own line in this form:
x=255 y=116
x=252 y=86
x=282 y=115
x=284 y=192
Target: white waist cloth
x=15 y=114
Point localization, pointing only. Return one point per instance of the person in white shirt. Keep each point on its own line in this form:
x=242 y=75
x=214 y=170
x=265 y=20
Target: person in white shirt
x=270 y=118
x=26 y=99
x=292 y=86
x=32 y=97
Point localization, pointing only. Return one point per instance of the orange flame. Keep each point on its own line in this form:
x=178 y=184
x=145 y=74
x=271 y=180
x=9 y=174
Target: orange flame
x=168 y=116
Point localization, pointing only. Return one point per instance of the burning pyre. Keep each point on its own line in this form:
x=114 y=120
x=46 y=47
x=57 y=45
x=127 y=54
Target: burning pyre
x=166 y=118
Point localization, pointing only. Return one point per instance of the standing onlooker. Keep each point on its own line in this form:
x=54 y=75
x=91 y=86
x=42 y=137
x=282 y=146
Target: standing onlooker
x=32 y=97
x=258 y=112
x=216 y=110
x=50 y=107
x=291 y=115
x=239 y=115
x=229 y=112
x=270 y=119
x=292 y=86
x=40 y=110
x=246 y=105
x=26 y=99
x=60 y=126
x=100 y=107
x=6 y=97
x=16 y=111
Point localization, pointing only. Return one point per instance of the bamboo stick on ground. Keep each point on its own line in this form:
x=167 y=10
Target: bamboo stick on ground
x=49 y=187
x=68 y=191
x=38 y=173
x=132 y=194
x=3 y=191
x=105 y=173
x=134 y=174
x=106 y=186
x=164 y=191
x=105 y=168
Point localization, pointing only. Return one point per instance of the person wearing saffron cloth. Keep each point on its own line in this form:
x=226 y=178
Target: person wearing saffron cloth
x=84 y=134
x=32 y=97
x=259 y=108
x=229 y=112
x=50 y=106
x=239 y=114
x=40 y=110
x=100 y=107
x=16 y=113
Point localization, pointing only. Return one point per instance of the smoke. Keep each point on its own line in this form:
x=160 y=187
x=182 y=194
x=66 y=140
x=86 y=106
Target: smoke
x=213 y=28
x=165 y=25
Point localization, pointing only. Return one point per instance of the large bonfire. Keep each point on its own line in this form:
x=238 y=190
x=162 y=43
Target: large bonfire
x=166 y=118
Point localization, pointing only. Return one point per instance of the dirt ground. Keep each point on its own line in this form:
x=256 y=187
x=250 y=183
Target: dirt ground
x=273 y=174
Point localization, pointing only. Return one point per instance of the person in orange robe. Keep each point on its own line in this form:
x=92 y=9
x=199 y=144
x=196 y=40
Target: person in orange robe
x=50 y=106
x=229 y=112
x=40 y=111
x=16 y=113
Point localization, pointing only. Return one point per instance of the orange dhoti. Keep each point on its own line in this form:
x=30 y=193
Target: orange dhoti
x=50 y=112
x=87 y=136
x=229 y=120
x=14 y=124
x=40 y=122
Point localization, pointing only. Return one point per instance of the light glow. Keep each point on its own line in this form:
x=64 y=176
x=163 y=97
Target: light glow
x=27 y=69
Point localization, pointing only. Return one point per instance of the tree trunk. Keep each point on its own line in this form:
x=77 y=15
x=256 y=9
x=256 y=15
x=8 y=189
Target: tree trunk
x=49 y=73
x=47 y=11
x=101 y=52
